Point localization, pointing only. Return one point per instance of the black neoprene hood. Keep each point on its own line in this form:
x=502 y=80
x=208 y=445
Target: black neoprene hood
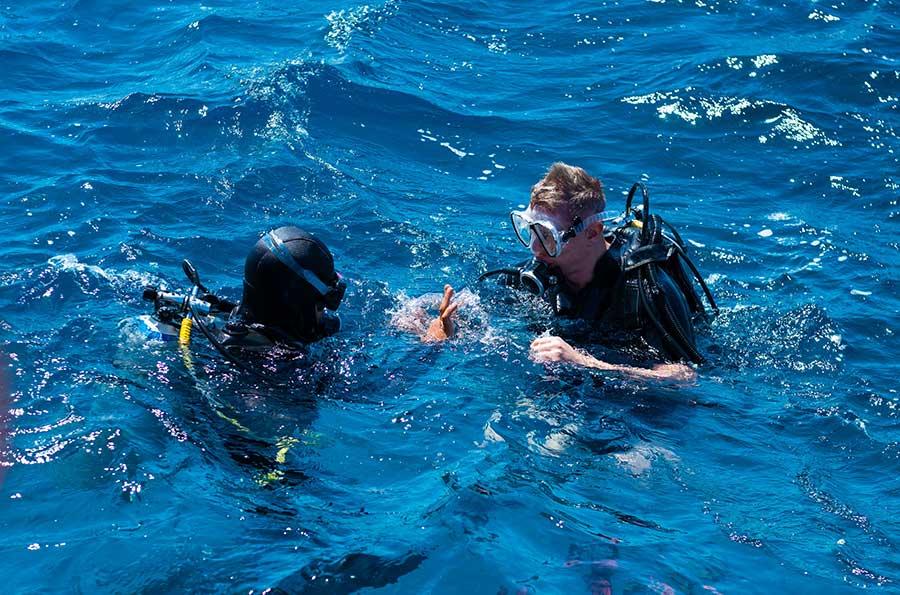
x=274 y=295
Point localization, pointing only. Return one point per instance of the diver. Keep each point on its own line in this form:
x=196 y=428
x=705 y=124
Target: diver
x=631 y=278
x=291 y=292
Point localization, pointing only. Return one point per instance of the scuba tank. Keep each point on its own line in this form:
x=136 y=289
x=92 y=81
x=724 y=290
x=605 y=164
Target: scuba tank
x=170 y=310
x=176 y=314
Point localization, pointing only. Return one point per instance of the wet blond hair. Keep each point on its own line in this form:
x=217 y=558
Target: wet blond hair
x=569 y=187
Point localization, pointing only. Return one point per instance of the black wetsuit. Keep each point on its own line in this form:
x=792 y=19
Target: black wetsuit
x=596 y=300
x=610 y=301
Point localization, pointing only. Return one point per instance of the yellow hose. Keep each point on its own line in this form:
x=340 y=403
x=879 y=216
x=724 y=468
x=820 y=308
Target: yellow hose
x=284 y=445
x=184 y=333
x=184 y=342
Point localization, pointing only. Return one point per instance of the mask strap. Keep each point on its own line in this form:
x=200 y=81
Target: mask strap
x=601 y=216
x=277 y=247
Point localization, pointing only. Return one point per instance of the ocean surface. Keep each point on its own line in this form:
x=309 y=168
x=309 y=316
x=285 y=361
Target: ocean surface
x=134 y=135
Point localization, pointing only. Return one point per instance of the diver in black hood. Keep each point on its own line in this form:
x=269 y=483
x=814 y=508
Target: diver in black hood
x=289 y=283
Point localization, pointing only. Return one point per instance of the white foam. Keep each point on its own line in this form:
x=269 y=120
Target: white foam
x=491 y=435
x=69 y=262
x=764 y=60
x=818 y=15
x=454 y=150
x=413 y=315
x=342 y=24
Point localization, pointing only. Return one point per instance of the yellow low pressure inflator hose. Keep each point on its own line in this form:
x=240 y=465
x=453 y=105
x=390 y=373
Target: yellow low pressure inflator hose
x=184 y=342
x=184 y=333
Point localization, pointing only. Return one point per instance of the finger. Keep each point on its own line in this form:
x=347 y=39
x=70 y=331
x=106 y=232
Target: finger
x=450 y=311
x=448 y=293
x=537 y=357
x=543 y=357
x=543 y=352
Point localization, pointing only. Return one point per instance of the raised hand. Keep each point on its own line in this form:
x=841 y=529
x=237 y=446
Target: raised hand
x=443 y=327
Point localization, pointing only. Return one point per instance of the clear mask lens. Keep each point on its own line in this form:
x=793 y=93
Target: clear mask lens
x=521 y=227
x=547 y=236
x=535 y=234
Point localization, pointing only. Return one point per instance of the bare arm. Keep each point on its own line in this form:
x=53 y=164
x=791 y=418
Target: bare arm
x=555 y=349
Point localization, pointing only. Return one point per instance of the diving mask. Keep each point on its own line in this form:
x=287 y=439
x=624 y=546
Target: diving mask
x=530 y=226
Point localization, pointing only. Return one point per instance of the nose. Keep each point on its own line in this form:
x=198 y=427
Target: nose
x=535 y=248
x=542 y=256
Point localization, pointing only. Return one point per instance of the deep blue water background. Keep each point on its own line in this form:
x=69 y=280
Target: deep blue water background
x=402 y=133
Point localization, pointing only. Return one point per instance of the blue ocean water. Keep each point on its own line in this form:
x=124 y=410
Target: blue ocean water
x=134 y=135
